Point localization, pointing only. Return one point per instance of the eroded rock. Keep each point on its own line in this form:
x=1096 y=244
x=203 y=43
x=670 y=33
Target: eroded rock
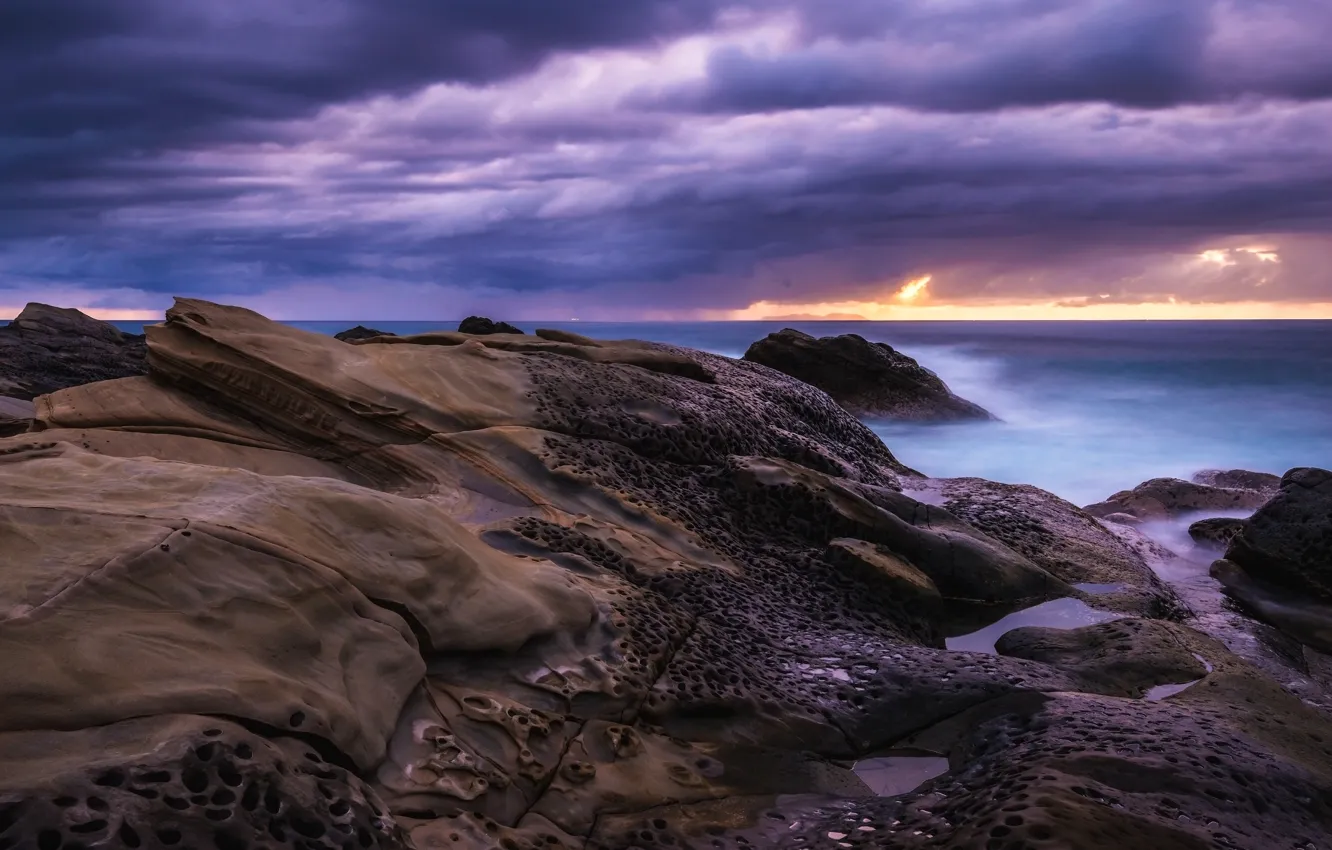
x=867 y=378
x=454 y=591
x=1215 y=533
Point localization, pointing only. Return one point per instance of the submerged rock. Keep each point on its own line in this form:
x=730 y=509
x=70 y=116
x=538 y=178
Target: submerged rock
x=481 y=326
x=360 y=332
x=867 y=378
x=1164 y=498
x=456 y=591
x=50 y=348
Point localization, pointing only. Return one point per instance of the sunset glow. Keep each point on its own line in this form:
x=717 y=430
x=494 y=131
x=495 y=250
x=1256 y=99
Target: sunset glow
x=1053 y=311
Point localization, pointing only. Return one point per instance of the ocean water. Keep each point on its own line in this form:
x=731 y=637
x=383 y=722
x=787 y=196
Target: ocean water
x=1087 y=408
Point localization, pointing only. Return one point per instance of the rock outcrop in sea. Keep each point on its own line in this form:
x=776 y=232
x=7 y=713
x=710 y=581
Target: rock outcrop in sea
x=469 y=592
x=867 y=378
x=1166 y=498
x=49 y=348
x=481 y=326
x=359 y=332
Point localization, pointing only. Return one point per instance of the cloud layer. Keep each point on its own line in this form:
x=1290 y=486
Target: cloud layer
x=390 y=158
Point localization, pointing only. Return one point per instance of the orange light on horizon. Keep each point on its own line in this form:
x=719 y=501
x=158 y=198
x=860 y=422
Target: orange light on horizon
x=105 y=315
x=1169 y=310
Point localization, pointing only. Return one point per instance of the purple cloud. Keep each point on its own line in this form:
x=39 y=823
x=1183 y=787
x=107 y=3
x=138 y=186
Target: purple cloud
x=661 y=155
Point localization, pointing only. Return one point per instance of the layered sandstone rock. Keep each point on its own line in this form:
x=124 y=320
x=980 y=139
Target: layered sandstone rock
x=867 y=378
x=448 y=591
x=49 y=348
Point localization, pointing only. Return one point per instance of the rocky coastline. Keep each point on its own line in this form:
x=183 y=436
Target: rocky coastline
x=267 y=588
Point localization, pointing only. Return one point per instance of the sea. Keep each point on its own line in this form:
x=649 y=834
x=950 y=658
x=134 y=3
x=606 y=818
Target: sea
x=1087 y=408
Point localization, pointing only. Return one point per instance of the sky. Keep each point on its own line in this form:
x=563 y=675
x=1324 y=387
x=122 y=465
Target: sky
x=669 y=159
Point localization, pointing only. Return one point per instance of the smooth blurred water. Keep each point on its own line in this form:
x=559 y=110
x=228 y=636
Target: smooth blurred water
x=1088 y=408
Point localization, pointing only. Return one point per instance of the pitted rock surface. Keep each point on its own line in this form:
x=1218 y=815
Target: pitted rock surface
x=1288 y=542
x=1215 y=533
x=867 y=378
x=477 y=592
x=50 y=348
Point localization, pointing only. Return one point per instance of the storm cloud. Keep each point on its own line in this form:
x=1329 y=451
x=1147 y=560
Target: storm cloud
x=661 y=157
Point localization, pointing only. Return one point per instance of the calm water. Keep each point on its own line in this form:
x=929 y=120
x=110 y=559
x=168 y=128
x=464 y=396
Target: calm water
x=1088 y=407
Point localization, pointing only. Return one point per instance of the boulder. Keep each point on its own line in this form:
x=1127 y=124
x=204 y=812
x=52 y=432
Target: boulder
x=1215 y=533
x=1166 y=498
x=359 y=332
x=49 y=348
x=1288 y=543
x=867 y=378
x=481 y=326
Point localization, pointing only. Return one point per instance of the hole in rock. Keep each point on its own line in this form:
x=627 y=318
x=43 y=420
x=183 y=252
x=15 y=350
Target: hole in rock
x=1161 y=692
x=1055 y=614
x=891 y=775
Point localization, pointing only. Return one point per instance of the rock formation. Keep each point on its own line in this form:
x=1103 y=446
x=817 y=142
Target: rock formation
x=1165 y=498
x=476 y=592
x=867 y=378
x=15 y=415
x=1279 y=564
x=1215 y=533
x=481 y=326
x=359 y=332
x=49 y=348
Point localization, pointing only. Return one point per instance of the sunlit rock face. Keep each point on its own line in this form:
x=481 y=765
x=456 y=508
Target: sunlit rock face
x=867 y=378
x=468 y=592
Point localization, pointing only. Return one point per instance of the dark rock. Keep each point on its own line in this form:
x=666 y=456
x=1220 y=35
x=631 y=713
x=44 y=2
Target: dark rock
x=360 y=332
x=481 y=326
x=1215 y=532
x=1288 y=542
x=50 y=348
x=866 y=378
x=15 y=416
x=1164 y=498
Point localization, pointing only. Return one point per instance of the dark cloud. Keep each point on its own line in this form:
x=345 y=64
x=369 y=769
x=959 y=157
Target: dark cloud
x=236 y=148
x=982 y=56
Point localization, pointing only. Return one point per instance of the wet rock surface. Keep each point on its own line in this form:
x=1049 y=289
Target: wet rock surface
x=1215 y=533
x=1165 y=498
x=1288 y=542
x=481 y=326
x=50 y=348
x=476 y=592
x=867 y=378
